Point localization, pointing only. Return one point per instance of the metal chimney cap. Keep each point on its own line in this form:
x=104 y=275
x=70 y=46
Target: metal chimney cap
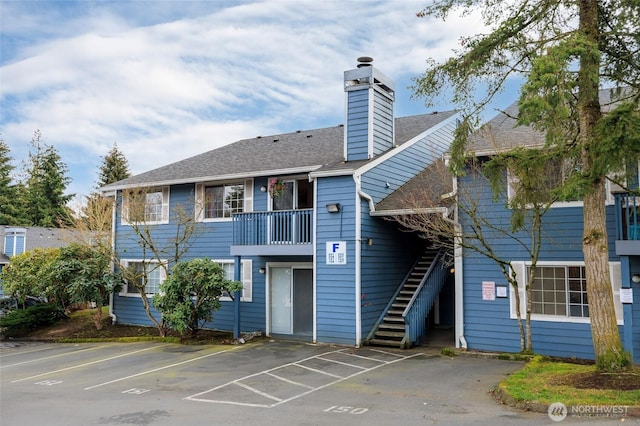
x=364 y=61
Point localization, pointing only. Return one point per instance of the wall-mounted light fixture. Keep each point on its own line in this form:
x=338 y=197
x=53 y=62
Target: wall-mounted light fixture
x=333 y=207
x=635 y=278
x=262 y=270
x=263 y=188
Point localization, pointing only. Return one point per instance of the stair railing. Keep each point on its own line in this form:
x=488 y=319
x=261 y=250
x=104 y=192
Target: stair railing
x=391 y=300
x=422 y=301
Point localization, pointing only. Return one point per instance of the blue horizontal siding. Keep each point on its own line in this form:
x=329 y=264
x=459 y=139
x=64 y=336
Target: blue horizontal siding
x=335 y=284
x=408 y=162
x=488 y=325
x=212 y=240
x=357 y=125
x=382 y=123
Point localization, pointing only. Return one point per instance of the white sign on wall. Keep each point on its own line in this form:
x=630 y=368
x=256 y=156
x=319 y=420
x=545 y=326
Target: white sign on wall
x=336 y=252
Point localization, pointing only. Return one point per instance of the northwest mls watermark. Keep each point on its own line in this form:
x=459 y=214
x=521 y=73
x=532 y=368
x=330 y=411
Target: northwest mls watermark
x=558 y=411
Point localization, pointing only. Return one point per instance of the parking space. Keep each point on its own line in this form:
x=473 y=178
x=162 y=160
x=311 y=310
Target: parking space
x=261 y=383
x=286 y=382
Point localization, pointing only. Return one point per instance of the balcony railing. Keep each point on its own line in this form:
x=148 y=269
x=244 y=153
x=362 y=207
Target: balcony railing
x=284 y=227
x=628 y=216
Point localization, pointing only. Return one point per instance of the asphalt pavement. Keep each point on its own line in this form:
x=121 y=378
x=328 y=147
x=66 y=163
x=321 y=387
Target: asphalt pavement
x=266 y=382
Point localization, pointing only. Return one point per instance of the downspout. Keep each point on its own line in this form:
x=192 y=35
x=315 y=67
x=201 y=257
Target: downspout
x=358 y=271
x=461 y=342
x=114 y=318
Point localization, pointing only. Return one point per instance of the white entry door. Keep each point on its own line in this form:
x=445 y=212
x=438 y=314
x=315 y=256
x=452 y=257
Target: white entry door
x=291 y=300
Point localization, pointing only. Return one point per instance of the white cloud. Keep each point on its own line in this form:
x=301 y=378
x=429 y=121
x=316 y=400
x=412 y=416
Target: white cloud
x=171 y=81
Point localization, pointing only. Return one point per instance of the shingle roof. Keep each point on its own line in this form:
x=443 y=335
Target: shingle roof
x=502 y=132
x=423 y=191
x=40 y=237
x=301 y=151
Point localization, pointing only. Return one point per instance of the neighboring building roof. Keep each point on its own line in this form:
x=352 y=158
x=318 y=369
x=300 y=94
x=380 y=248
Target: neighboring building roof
x=503 y=133
x=38 y=237
x=301 y=151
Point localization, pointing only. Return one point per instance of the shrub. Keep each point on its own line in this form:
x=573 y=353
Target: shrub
x=20 y=321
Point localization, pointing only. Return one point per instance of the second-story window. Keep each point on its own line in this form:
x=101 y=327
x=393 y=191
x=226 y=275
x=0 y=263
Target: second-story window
x=145 y=206
x=215 y=201
x=222 y=201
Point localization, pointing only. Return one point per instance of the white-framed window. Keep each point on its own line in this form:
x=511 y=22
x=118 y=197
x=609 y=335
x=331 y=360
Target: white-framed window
x=556 y=173
x=559 y=291
x=14 y=241
x=220 y=201
x=246 y=272
x=149 y=273
x=149 y=206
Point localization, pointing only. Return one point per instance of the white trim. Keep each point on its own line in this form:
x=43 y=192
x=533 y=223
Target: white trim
x=200 y=204
x=520 y=268
x=315 y=260
x=358 y=261
x=267 y=290
x=125 y=288
x=220 y=178
x=247 y=278
x=166 y=203
x=371 y=108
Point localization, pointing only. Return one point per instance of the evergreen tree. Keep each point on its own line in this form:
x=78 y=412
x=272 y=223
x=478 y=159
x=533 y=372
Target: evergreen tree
x=114 y=167
x=567 y=51
x=46 y=183
x=11 y=201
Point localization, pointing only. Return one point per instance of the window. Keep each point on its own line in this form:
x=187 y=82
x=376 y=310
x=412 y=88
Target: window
x=222 y=201
x=14 y=241
x=557 y=172
x=215 y=202
x=245 y=277
x=559 y=291
x=137 y=273
x=148 y=206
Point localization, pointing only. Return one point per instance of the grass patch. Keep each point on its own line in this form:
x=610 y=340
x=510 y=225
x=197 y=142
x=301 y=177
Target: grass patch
x=545 y=382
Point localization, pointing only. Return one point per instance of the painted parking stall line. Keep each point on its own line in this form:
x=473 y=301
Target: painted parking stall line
x=284 y=383
x=50 y=357
x=164 y=367
x=82 y=365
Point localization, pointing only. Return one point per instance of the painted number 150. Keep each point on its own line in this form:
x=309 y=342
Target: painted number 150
x=346 y=410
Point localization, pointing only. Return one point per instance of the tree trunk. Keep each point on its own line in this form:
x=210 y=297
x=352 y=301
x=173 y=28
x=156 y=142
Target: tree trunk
x=604 y=329
x=97 y=317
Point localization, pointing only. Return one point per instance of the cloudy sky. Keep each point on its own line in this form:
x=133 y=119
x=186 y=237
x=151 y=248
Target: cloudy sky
x=166 y=80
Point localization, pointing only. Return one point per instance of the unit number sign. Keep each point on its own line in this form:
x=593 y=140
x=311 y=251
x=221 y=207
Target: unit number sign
x=336 y=252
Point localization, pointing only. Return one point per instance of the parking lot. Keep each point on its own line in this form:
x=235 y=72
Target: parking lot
x=262 y=383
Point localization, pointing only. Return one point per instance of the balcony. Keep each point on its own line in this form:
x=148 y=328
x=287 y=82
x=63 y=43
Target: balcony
x=283 y=232
x=627 y=224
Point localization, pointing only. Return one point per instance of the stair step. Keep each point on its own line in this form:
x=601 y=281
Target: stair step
x=384 y=342
x=391 y=326
x=396 y=319
x=395 y=311
x=399 y=305
x=390 y=334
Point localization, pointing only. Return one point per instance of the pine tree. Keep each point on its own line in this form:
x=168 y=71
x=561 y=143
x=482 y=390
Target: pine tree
x=566 y=51
x=11 y=195
x=46 y=183
x=114 y=167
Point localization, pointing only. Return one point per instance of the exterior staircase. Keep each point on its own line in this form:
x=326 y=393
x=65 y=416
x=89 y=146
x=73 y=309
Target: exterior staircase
x=402 y=323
